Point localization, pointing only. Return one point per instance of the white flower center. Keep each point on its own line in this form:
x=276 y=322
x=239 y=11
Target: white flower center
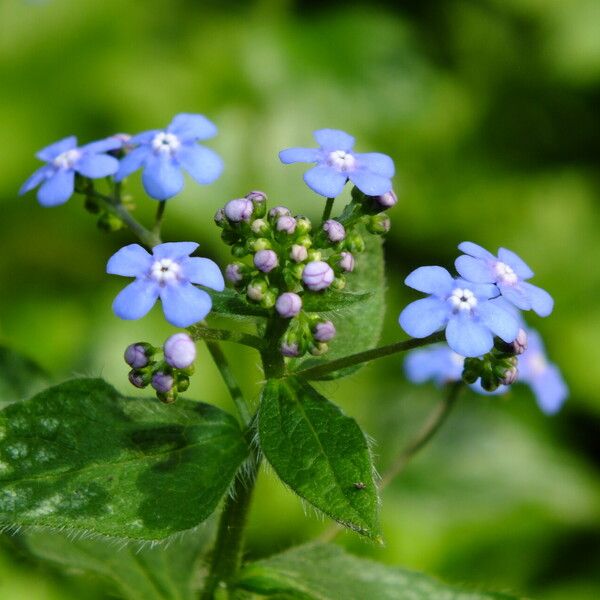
x=505 y=274
x=341 y=160
x=67 y=159
x=165 y=143
x=462 y=300
x=165 y=271
x=537 y=364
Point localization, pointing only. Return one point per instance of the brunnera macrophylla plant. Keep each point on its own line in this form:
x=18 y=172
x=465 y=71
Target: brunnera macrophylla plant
x=81 y=457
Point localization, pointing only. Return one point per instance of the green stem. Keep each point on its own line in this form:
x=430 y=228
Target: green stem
x=199 y=332
x=232 y=385
x=328 y=208
x=227 y=552
x=158 y=220
x=272 y=359
x=320 y=371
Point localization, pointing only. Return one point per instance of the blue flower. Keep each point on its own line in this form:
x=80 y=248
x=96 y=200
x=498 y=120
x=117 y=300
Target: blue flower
x=63 y=159
x=466 y=310
x=371 y=173
x=508 y=272
x=164 y=153
x=168 y=273
x=543 y=377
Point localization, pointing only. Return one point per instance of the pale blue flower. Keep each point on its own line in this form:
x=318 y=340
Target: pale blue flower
x=165 y=154
x=335 y=162
x=63 y=160
x=509 y=272
x=169 y=274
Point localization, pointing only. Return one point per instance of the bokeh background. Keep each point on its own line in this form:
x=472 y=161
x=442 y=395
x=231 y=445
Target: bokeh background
x=490 y=111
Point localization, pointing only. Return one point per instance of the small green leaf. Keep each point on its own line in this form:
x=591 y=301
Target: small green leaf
x=320 y=302
x=19 y=376
x=326 y=572
x=319 y=452
x=80 y=456
x=160 y=572
x=358 y=325
x=231 y=304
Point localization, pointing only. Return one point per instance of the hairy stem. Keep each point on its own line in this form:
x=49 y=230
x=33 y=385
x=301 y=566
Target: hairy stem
x=321 y=370
x=328 y=208
x=199 y=332
x=232 y=385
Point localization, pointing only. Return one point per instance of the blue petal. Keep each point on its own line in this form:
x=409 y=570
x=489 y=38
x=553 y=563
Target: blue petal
x=162 y=177
x=377 y=163
x=203 y=271
x=145 y=137
x=189 y=127
x=57 y=188
x=325 y=181
x=478 y=388
x=97 y=165
x=184 y=304
x=53 y=150
x=134 y=301
x=370 y=183
x=174 y=250
x=515 y=262
x=334 y=139
x=474 y=269
x=129 y=261
x=204 y=165
x=35 y=179
x=499 y=321
x=294 y=155
x=541 y=301
x=422 y=317
x=550 y=390
x=468 y=337
x=430 y=280
x=111 y=143
x=482 y=291
x=516 y=295
x=132 y=161
x=475 y=250
x=439 y=363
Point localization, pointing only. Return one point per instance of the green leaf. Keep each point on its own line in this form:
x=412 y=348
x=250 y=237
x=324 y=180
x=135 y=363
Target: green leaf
x=326 y=572
x=320 y=302
x=358 y=325
x=231 y=304
x=19 y=376
x=160 y=572
x=80 y=456
x=319 y=452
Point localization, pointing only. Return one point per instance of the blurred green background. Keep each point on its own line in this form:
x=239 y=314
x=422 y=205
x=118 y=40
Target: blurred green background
x=490 y=111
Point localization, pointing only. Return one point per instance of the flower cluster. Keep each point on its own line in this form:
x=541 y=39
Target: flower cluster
x=169 y=375
x=291 y=258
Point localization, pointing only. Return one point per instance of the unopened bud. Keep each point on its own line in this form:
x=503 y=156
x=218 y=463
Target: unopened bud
x=346 y=262
x=239 y=210
x=303 y=225
x=324 y=331
x=509 y=376
x=220 y=217
x=265 y=260
x=314 y=255
x=256 y=197
x=109 y=221
x=298 y=253
x=167 y=397
x=138 y=378
x=279 y=211
x=256 y=289
x=233 y=273
x=260 y=244
x=387 y=200
x=180 y=351
x=138 y=355
x=162 y=382
x=289 y=349
x=288 y=305
x=335 y=230
x=379 y=224
x=318 y=349
x=286 y=224
x=269 y=298
x=183 y=383
x=260 y=227
x=317 y=275
x=516 y=347
x=355 y=243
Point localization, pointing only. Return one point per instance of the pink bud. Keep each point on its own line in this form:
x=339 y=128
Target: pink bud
x=135 y=356
x=346 y=262
x=162 y=382
x=279 y=211
x=287 y=224
x=233 y=273
x=317 y=275
x=239 y=209
x=180 y=351
x=387 y=200
x=288 y=305
x=335 y=230
x=298 y=253
x=324 y=331
x=265 y=260
x=289 y=349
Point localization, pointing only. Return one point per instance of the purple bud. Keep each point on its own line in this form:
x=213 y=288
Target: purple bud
x=239 y=209
x=520 y=343
x=335 y=230
x=180 y=351
x=509 y=376
x=288 y=305
x=298 y=253
x=279 y=211
x=286 y=224
x=324 y=331
x=256 y=196
x=317 y=275
x=135 y=356
x=162 y=382
x=233 y=273
x=387 y=200
x=137 y=379
x=346 y=262
x=289 y=349
x=265 y=260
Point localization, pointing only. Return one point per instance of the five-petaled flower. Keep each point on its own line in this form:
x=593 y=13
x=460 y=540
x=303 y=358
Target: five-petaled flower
x=371 y=173
x=164 y=153
x=466 y=310
x=168 y=273
x=63 y=159
x=509 y=272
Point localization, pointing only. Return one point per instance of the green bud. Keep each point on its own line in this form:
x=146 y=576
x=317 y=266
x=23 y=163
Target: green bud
x=318 y=349
x=239 y=250
x=183 y=383
x=354 y=242
x=91 y=205
x=303 y=225
x=379 y=224
x=108 y=221
x=229 y=236
x=269 y=299
x=167 y=398
x=260 y=227
x=314 y=255
x=188 y=370
x=488 y=380
x=304 y=240
x=472 y=370
x=257 y=289
x=339 y=283
x=260 y=244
